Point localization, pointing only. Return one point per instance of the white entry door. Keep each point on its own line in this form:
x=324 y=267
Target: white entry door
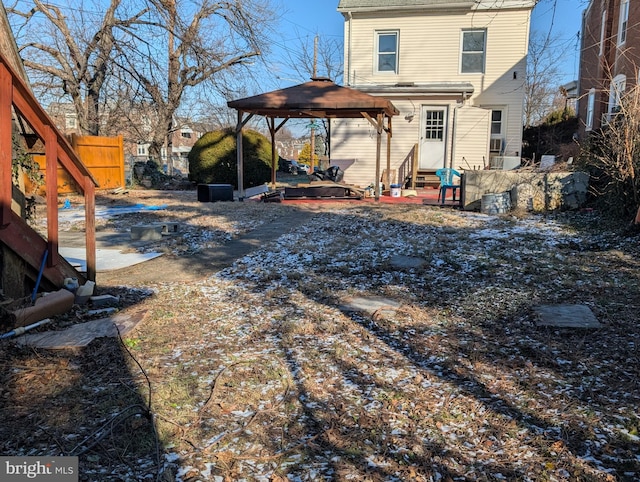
x=433 y=136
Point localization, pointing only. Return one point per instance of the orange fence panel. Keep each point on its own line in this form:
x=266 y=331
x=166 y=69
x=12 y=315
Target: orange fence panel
x=103 y=157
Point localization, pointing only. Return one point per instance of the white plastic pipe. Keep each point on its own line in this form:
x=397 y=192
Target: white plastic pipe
x=21 y=329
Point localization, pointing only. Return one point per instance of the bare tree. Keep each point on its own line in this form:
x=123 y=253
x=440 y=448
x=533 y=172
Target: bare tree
x=316 y=56
x=154 y=55
x=201 y=40
x=543 y=78
x=70 y=54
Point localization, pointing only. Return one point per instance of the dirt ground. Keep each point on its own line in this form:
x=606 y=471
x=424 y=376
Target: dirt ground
x=251 y=362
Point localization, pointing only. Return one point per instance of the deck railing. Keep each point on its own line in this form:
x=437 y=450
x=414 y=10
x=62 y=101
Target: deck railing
x=409 y=167
x=16 y=97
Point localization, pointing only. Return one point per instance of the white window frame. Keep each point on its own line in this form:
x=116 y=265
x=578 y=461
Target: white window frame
x=143 y=149
x=70 y=121
x=624 y=21
x=378 y=53
x=500 y=134
x=497 y=139
x=482 y=52
x=603 y=28
x=591 y=103
x=616 y=90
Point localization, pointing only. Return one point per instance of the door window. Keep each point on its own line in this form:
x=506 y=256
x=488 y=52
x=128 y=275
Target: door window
x=434 y=125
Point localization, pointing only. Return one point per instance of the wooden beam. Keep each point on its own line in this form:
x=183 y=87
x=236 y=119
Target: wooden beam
x=388 y=131
x=239 y=155
x=272 y=130
x=51 y=187
x=90 y=227
x=376 y=187
x=6 y=145
x=414 y=166
x=274 y=165
x=26 y=105
x=371 y=120
x=314 y=114
x=242 y=123
x=329 y=140
x=30 y=246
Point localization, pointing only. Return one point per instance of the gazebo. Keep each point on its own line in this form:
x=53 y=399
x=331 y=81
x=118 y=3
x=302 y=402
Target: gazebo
x=319 y=98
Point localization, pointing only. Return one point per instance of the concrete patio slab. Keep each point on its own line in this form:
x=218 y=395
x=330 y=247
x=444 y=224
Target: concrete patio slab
x=406 y=262
x=369 y=305
x=106 y=259
x=566 y=316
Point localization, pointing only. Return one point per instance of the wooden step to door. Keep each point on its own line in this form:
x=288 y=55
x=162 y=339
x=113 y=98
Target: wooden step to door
x=427 y=179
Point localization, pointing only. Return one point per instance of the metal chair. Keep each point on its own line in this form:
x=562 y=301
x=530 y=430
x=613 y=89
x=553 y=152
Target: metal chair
x=446 y=176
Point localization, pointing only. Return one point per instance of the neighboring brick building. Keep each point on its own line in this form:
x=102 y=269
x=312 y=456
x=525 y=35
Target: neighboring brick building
x=609 y=60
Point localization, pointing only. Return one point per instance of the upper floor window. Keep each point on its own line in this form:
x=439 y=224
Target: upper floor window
x=142 y=149
x=603 y=27
x=618 y=86
x=624 y=19
x=70 y=121
x=186 y=134
x=387 y=51
x=591 y=100
x=473 y=49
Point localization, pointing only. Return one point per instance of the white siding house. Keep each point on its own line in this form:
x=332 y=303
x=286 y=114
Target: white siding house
x=454 y=69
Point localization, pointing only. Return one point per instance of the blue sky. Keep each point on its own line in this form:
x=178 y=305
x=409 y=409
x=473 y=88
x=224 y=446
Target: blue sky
x=562 y=18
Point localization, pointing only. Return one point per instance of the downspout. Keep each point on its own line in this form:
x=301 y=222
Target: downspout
x=453 y=136
x=578 y=80
x=350 y=24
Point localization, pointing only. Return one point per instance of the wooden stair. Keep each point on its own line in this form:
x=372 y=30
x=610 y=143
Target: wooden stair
x=30 y=247
x=426 y=178
x=23 y=246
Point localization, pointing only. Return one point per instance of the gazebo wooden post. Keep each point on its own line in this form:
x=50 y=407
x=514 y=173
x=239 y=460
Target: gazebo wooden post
x=240 y=156
x=274 y=158
x=379 y=122
x=272 y=130
x=388 y=131
x=329 y=140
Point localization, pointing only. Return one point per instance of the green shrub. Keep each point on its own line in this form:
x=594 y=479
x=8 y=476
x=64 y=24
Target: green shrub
x=213 y=158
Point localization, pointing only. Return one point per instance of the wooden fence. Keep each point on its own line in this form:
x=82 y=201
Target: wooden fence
x=103 y=157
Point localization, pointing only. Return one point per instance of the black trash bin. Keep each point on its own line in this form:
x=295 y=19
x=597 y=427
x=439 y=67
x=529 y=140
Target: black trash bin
x=215 y=192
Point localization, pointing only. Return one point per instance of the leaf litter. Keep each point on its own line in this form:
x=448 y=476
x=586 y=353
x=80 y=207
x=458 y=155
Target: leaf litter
x=258 y=372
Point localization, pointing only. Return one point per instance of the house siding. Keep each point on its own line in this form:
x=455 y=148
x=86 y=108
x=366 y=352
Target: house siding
x=429 y=53
x=470 y=150
x=429 y=47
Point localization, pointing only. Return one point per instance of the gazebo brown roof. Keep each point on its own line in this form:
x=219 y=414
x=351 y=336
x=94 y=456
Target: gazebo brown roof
x=318 y=98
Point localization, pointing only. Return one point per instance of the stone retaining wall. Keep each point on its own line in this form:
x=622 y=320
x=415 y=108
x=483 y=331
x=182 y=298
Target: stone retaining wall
x=531 y=191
